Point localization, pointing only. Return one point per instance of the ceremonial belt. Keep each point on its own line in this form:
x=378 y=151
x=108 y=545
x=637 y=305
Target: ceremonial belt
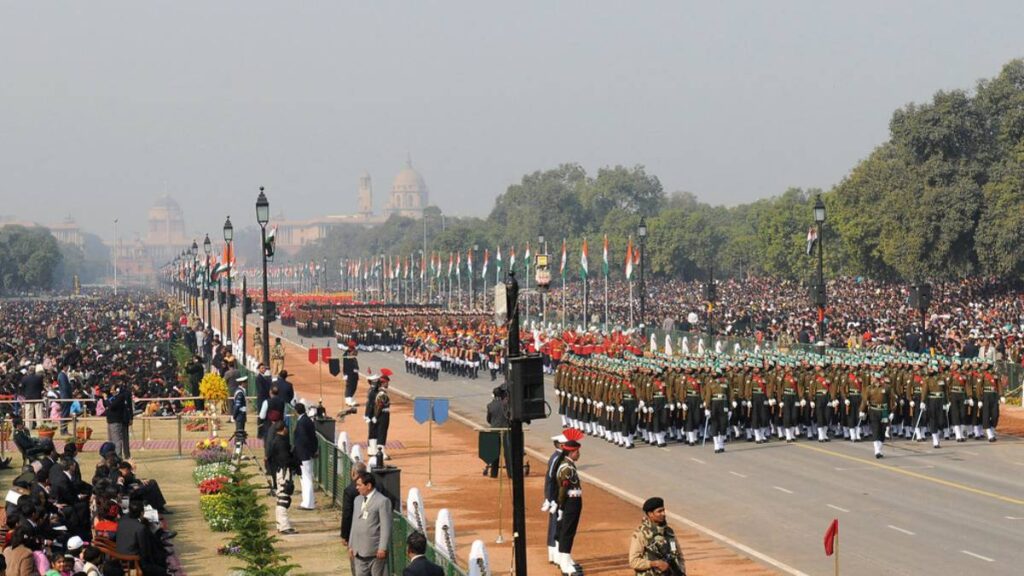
x=876 y=407
x=385 y=409
x=936 y=394
x=988 y=389
x=957 y=389
x=575 y=493
x=718 y=396
x=692 y=393
x=821 y=392
x=788 y=392
x=854 y=393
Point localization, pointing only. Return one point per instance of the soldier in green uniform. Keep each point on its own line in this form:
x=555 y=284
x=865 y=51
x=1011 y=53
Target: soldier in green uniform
x=876 y=405
x=654 y=550
x=570 y=506
x=934 y=393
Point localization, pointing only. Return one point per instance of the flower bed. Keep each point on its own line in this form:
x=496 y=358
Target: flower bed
x=208 y=471
x=211 y=451
x=216 y=509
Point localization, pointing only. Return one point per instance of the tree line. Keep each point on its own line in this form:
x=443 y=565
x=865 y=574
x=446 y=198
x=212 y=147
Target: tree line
x=941 y=199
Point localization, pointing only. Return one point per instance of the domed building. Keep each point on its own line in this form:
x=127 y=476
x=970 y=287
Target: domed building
x=166 y=223
x=409 y=195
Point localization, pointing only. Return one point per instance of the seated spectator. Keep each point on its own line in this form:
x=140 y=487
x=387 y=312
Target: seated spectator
x=137 y=537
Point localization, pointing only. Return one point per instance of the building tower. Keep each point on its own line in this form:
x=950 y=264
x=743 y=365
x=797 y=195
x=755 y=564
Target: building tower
x=365 y=194
x=409 y=195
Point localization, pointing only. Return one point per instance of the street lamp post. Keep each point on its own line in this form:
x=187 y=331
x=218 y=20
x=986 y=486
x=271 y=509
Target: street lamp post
x=820 y=298
x=229 y=235
x=195 y=282
x=263 y=218
x=472 y=293
x=208 y=249
x=641 y=233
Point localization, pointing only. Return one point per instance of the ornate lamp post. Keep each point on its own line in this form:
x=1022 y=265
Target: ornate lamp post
x=820 y=298
x=641 y=233
x=229 y=235
x=263 y=218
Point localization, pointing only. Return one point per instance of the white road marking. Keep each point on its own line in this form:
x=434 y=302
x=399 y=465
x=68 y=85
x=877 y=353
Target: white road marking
x=697 y=460
x=978 y=556
x=1014 y=517
x=898 y=529
x=837 y=508
x=971 y=453
x=737 y=474
x=781 y=489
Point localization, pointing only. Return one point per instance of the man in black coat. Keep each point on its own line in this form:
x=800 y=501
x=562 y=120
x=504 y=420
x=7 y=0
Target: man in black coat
x=497 y=417
x=31 y=387
x=285 y=387
x=305 y=451
x=419 y=565
x=118 y=406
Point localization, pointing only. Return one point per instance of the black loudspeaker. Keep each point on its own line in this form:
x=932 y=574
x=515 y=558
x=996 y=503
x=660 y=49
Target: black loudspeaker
x=247 y=305
x=925 y=296
x=817 y=294
x=389 y=483
x=915 y=297
x=710 y=292
x=526 y=379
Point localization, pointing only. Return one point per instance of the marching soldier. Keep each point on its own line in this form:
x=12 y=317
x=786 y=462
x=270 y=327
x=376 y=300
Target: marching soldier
x=789 y=395
x=350 y=371
x=756 y=394
x=821 y=394
x=876 y=405
x=717 y=399
x=692 y=389
x=990 y=397
x=853 y=396
x=959 y=384
x=934 y=391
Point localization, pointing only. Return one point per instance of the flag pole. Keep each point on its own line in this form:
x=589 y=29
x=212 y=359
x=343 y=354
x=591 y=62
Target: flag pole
x=837 y=556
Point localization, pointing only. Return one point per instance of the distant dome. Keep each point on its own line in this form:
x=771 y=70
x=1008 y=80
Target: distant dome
x=408 y=180
x=165 y=207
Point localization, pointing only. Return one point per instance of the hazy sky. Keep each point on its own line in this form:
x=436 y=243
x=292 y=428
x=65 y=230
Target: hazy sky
x=106 y=105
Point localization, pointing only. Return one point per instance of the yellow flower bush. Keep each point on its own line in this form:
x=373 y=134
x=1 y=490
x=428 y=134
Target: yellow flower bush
x=213 y=387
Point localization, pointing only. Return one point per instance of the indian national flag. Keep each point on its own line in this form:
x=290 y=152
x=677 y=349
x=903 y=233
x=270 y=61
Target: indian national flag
x=605 y=255
x=512 y=258
x=498 y=261
x=629 y=259
x=584 y=267
x=487 y=259
x=562 y=269
x=527 y=256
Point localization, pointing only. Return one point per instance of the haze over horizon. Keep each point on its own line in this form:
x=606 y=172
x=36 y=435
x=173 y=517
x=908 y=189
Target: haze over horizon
x=109 y=105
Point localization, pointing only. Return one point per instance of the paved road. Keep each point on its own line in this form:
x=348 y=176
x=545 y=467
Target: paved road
x=956 y=510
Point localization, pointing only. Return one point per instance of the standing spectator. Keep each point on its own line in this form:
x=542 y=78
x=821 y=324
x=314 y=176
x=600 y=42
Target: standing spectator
x=239 y=404
x=497 y=417
x=305 y=452
x=285 y=387
x=32 y=390
x=416 y=549
x=118 y=412
x=371 y=529
x=281 y=464
x=653 y=549
x=348 y=498
x=195 y=371
x=65 y=391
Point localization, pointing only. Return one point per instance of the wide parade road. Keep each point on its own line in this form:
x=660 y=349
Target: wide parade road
x=958 y=509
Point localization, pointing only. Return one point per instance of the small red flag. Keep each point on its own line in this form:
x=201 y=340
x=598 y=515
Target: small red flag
x=313 y=354
x=325 y=355
x=830 y=536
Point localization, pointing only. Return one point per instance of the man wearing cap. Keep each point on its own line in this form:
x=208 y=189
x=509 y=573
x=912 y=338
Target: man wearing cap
x=350 y=371
x=551 y=489
x=570 y=505
x=653 y=550
x=876 y=405
x=277 y=357
x=370 y=416
x=306 y=450
x=238 y=404
x=382 y=411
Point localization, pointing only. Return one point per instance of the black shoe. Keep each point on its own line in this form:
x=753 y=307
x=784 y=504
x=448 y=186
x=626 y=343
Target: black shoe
x=164 y=511
x=879 y=455
x=937 y=446
x=170 y=534
x=993 y=439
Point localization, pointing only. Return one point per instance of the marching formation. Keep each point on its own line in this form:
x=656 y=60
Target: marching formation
x=758 y=397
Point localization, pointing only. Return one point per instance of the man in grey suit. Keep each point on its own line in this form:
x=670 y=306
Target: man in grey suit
x=371 y=529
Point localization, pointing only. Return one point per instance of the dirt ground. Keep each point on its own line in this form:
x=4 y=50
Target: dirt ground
x=482 y=509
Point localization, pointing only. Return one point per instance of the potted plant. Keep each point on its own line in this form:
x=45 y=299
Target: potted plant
x=46 y=430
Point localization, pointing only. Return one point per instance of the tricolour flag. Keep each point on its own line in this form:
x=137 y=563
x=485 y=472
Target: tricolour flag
x=498 y=261
x=812 y=239
x=562 y=269
x=487 y=258
x=605 y=254
x=469 y=261
x=584 y=267
x=512 y=259
x=451 y=263
x=458 y=265
x=526 y=257
x=629 y=259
